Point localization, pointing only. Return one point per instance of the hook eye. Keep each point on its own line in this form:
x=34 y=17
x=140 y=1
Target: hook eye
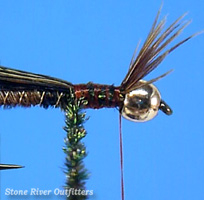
x=164 y=107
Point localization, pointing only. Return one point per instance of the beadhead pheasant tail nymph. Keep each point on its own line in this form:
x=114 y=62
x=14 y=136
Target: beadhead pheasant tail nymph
x=137 y=100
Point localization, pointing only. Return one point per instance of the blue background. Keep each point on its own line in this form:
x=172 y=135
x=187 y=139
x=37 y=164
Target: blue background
x=82 y=41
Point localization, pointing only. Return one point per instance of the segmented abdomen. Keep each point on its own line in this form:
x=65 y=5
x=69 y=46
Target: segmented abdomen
x=90 y=95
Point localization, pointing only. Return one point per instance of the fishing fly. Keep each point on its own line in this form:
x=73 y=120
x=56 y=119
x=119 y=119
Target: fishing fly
x=137 y=100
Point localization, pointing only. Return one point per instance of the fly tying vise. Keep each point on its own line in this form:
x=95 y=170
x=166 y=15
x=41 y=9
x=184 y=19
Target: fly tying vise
x=8 y=166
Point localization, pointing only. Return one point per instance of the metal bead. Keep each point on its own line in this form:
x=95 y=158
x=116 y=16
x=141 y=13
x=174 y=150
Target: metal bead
x=141 y=104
